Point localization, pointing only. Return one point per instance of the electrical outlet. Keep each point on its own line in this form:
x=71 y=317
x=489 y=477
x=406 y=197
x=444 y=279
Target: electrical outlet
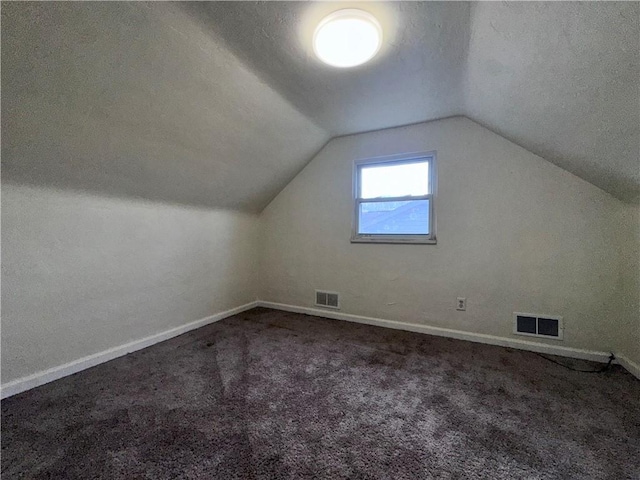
x=461 y=303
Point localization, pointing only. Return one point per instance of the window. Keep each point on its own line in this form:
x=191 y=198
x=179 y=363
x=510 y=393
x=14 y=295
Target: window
x=394 y=199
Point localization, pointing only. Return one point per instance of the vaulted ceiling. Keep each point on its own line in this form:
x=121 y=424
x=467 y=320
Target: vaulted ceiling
x=221 y=103
x=417 y=76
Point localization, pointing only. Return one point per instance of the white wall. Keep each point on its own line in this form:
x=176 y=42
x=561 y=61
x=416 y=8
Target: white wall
x=515 y=233
x=630 y=327
x=81 y=274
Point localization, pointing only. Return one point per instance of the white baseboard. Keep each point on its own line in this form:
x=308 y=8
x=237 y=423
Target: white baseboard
x=632 y=367
x=591 y=355
x=40 y=378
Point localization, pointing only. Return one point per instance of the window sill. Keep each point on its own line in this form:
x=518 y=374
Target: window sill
x=391 y=240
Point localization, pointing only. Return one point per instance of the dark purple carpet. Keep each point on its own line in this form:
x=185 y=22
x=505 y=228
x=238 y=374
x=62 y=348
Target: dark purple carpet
x=270 y=395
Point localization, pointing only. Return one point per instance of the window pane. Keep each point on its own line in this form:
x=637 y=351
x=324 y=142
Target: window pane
x=394 y=180
x=394 y=218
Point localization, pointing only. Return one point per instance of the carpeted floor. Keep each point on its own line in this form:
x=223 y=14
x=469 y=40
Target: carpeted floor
x=268 y=394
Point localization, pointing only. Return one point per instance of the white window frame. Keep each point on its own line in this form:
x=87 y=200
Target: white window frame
x=357 y=200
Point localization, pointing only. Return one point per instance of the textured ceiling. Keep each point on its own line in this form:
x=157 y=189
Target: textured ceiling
x=222 y=103
x=135 y=100
x=561 y=79
x=417 y=76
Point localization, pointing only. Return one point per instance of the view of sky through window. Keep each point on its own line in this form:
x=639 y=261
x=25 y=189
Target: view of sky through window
x=398 y=180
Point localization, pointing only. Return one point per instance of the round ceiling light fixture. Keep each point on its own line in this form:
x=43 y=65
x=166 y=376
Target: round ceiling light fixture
x=347 y=38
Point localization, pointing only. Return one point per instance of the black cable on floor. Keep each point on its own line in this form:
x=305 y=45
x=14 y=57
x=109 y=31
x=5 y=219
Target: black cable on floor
x=600 y=370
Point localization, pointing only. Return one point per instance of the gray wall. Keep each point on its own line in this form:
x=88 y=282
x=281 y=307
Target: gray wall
x=82 y=274
x=630 y=328
x=515 y=233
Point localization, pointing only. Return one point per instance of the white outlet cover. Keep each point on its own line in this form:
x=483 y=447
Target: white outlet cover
x=461 y=303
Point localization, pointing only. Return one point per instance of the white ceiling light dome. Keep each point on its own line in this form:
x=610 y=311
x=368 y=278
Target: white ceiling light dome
x=347 y=38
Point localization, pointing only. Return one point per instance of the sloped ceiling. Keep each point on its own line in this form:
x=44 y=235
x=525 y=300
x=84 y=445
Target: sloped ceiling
x=562 y=79
x=221 y=103
x=136 y=100
x=417 y=76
